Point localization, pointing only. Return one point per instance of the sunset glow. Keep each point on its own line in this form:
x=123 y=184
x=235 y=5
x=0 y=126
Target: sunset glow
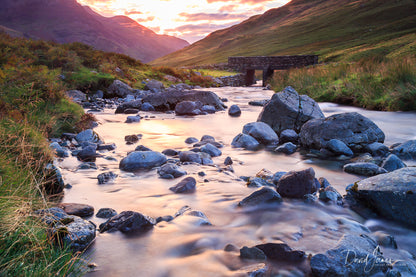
x=190 y=20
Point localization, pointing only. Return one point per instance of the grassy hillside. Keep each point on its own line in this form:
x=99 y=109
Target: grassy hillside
x=337 y=30
x=34 y=75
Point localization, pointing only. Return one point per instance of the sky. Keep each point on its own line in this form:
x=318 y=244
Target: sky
x=191 y=20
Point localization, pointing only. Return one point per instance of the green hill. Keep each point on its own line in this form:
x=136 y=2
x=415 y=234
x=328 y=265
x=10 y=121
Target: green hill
x=336 y=30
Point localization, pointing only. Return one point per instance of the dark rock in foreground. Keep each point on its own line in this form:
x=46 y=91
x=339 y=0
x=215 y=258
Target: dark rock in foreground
x=81 y=210
x=141 y=160
x=128 y=222
x=353 y=129
x=69 y=230
x=296 y=184
x=352 y=256
x=289 y=110
x=392 y=195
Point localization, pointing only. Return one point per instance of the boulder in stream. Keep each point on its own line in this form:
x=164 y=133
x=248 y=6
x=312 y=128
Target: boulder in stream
x=392 y=195
x=262 y=132
x=289 y=110
x=119 y=89
x=392 y=162
x=128 y=222
x=81 y=210
x=169 y=169
x=264 y=195
x=187 y=185
x=234 y=110
x=353 y=129
x=141 y=160
x=406 y=150
x=280 y=251
x=246 y=142
x=295 y=184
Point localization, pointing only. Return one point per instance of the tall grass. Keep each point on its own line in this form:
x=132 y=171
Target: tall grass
x=25 y=248
x=388 y=84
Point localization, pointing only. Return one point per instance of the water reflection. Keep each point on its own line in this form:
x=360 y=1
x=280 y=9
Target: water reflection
x=181 y=247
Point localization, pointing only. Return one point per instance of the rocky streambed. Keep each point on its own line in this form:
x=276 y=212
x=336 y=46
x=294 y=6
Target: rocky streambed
x=212 y=193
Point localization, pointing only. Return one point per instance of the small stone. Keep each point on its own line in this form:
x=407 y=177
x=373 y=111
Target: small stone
x=130 y=139
x=106 y=177
x=392 y=162
x=128 y=222
x=246 y=142
x=228 y=161
x=106 y=213
x=142 y=148
x=88 y=154
x=289 y=135
x=133 y=119
x=296 y=184
x=172 y=170
x=377 y=149
x=131 y=111
x=166 y=218
x=264 y=195
x=211 y=150
x=365 y=169
x=287 y=148
x=191 y=140
x=187 y=185
x=170 y=152
x=282 y=252
x=234 y=110
x=231 y=248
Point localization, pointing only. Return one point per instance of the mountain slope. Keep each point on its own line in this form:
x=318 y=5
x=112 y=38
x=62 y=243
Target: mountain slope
x=66 y=21
x=333 y=29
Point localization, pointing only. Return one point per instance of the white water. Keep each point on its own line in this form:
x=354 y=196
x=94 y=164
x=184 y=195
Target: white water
x=179 y=248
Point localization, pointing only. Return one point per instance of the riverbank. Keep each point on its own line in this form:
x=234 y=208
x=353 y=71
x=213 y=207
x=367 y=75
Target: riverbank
x=385 y=84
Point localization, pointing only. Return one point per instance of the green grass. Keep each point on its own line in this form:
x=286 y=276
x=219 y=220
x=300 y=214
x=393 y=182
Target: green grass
x=216 y=73
x=335 y=30
x=389 y=84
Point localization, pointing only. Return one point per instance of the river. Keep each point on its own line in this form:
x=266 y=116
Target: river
x=180 y=247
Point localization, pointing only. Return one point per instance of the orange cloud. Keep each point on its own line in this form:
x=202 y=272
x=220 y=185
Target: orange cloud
x=228 y=8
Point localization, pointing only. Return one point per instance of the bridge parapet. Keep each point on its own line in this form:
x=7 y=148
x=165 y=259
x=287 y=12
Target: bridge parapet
x=268 y=64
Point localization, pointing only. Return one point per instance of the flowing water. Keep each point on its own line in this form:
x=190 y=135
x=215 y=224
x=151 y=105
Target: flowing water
x=181 y=247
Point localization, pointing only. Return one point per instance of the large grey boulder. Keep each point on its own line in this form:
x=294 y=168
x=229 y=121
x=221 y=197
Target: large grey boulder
x=168 y=100
x=289 y=110
x=392 y=195
x=262 y=132
x=352 y=256
x=406 y=150
x=353 y=129
x=119 y=89
x=142 y=159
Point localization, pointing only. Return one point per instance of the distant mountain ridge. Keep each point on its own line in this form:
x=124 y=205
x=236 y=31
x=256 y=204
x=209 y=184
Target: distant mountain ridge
x=67 y=21
x=333 y=29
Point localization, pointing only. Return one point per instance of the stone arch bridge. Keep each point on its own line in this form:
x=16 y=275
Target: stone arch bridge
x=268 y=64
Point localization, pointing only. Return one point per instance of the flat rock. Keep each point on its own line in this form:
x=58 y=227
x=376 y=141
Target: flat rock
x=392 y=195
x=353 y=129
x=81 y=210
x=141 y=160
x=168 y=100
x=295 y=184
x=365 y=169
x=128 y=222
x=289 y=110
